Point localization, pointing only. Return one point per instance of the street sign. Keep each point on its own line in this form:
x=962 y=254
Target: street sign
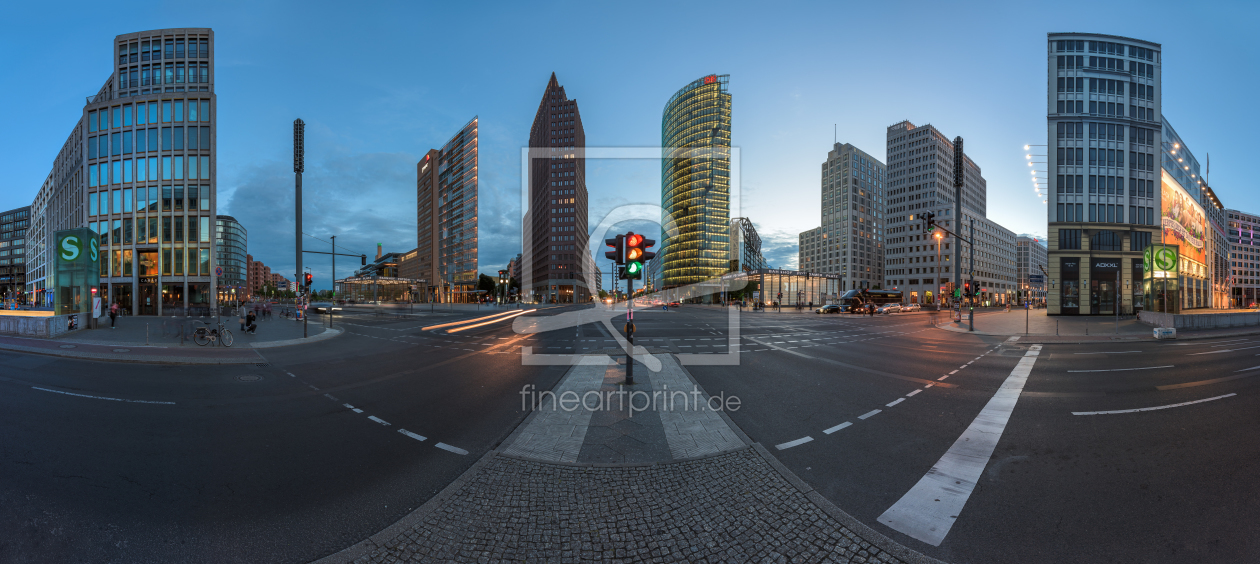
x=1036 y=279
x=218 y=271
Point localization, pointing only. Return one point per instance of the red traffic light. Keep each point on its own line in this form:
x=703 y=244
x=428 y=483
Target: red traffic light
x=633 y=240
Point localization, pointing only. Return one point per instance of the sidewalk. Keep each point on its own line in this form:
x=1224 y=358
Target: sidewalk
x=1045 y=329
x=158 y=340
x=659 y=484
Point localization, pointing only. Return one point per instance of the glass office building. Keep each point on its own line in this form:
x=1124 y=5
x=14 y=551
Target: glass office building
x=446 y=213
x=148 y=162
x=231 y=244
x=695 y=181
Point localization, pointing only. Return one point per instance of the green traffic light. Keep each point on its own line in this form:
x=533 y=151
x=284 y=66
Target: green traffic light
x=633 y=267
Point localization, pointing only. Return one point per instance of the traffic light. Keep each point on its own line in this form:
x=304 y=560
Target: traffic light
x=308 y=280
x=633 y=255
x=648 y=244
x=967 y=289
x=929 y=222
x=617 y=255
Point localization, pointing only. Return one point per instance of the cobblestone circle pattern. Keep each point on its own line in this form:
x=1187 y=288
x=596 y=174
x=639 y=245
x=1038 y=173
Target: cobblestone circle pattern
x=732 y=507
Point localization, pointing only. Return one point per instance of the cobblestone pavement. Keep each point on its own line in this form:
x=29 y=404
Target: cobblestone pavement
x=732 y=507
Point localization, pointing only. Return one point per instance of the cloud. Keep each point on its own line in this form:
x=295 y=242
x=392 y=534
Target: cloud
x=361 y=198
x=779 y=247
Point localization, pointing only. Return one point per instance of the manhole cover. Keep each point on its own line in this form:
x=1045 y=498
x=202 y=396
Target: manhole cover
x=249 y=378
x=68 y=346
x=262 y=365
x=122 y=350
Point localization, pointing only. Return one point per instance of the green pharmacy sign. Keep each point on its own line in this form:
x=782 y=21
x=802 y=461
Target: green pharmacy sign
x=76 y=270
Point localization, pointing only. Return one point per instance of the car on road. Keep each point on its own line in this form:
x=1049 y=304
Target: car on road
x=833 y=308
x=323 y=307
x=889 y=308
x=674 y=304
x=910 y=307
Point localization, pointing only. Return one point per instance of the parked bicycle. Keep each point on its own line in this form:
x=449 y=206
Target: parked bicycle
x=205 y=334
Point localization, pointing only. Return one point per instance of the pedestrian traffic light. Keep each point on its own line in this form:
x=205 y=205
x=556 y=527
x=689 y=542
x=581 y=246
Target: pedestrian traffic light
x=308 y=280
x=647 y=255
x=967 y=289
x=633 y=255
x=617 y=255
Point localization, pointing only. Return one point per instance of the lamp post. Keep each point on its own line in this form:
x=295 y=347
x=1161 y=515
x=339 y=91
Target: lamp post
x=938 y=236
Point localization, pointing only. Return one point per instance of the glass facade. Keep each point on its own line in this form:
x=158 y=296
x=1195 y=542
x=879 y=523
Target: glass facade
x=231 y=245
x=149 y=161
x=447 y=200
x=695 y=182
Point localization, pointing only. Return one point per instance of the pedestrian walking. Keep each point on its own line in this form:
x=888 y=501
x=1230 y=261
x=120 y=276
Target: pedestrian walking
x=113 y=314
x=267 y=310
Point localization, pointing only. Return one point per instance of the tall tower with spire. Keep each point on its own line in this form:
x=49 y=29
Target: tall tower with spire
x=554 y=233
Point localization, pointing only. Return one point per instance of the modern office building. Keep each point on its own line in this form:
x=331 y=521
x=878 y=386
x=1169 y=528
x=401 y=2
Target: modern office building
x=230 y=253
x=59 y=204
x=139 y=170
x=1030 y=259
x=695 y=181
x=446 y=213
x=1219 y=248
x=1244 y=258
x=745 y=246
x=810 y=250
x=850 y=240
x=920 y=180
x=1103 y=107
x=554 y=235
x=13 y=227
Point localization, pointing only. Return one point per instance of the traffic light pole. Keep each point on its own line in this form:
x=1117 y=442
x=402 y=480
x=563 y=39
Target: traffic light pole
x=971 y=273
x=630 y=331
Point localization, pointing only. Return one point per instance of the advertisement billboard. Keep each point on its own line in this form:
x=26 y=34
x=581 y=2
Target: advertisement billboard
x=1182 y=219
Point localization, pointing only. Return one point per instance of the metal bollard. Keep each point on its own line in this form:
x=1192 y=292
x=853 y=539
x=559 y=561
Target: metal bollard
x=146 y=333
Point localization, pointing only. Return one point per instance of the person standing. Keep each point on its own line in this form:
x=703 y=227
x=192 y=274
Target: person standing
x=241 y=314
x=113 y=314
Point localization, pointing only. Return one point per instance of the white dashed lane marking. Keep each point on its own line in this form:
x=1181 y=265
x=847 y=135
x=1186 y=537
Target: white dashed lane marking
x=378 y=420
x=838 y=427
x=413 y=435
x=450 y=448
x=791 y=444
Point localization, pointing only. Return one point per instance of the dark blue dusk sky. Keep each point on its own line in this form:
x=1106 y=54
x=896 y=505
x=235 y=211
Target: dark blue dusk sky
x=379 y=83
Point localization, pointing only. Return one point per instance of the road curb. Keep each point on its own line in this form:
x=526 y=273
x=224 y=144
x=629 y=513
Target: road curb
x=906 y=554
x=1101 y=339
x=859 y=528
x=328 y=333
x=365 y=547
x=118 y=357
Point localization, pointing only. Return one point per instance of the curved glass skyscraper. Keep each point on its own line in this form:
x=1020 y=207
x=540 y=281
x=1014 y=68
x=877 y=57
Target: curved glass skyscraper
x=695 y=182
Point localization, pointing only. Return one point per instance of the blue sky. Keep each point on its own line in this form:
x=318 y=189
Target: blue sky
x=380 y=83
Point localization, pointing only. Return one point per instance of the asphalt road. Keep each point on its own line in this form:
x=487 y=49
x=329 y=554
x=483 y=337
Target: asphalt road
x=268 y=464
x=249 y=463
x=1165 y=485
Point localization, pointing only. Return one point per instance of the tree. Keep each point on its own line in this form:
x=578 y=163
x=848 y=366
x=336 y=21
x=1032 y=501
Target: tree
x=486 y=283
x=602 y=294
